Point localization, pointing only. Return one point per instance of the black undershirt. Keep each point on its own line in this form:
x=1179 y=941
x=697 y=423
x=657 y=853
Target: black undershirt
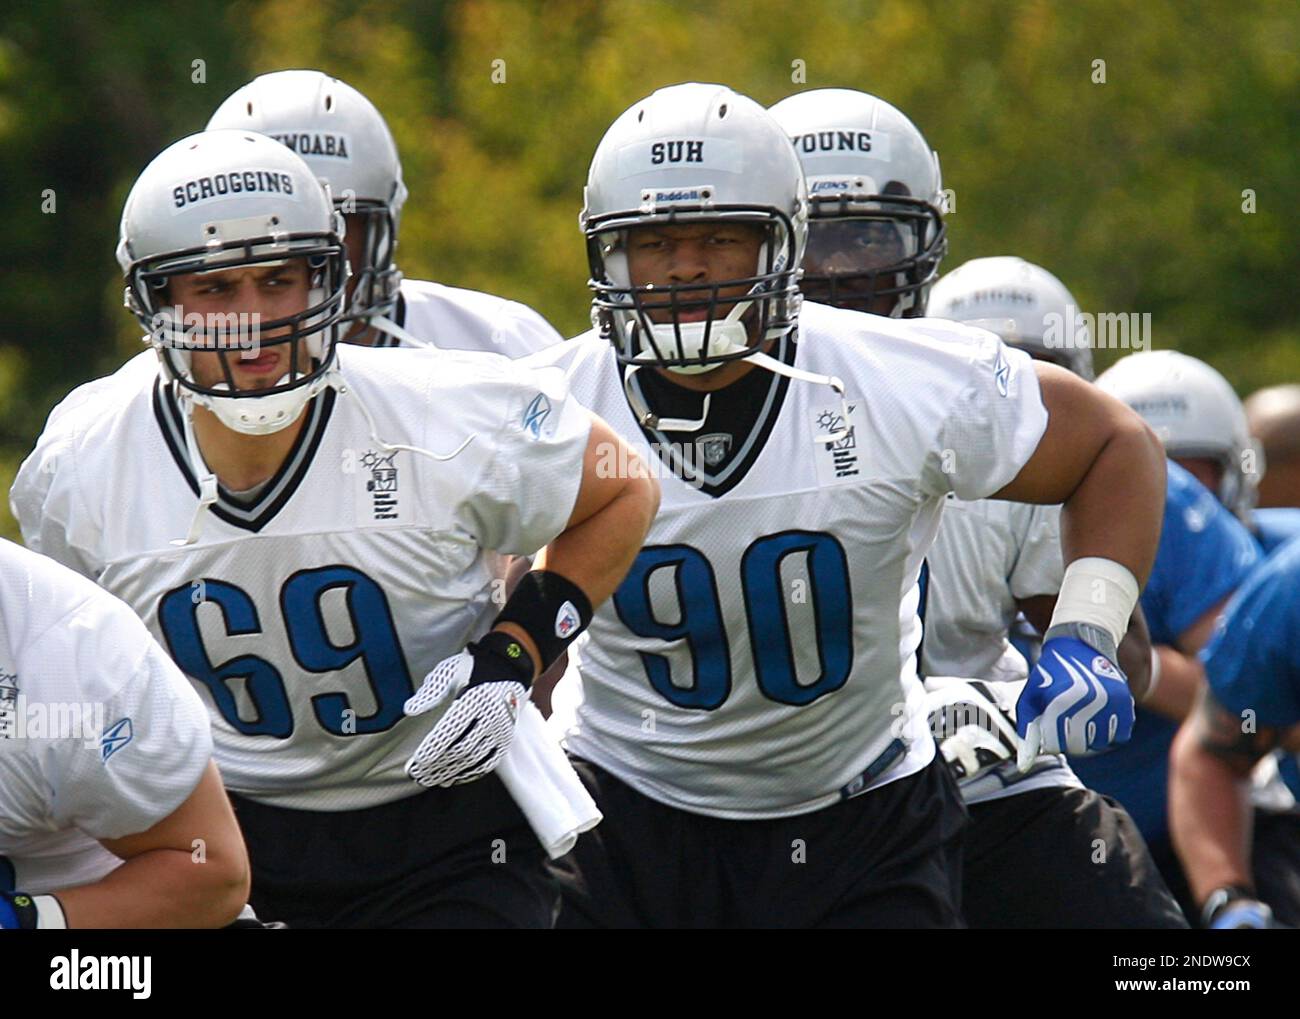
x=735 y=412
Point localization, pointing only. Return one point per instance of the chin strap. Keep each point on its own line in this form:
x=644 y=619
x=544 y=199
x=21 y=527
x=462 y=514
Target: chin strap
x=208 y=481
x=391 y=447
x=648 y=419
x=790 y=371
x=387 y=325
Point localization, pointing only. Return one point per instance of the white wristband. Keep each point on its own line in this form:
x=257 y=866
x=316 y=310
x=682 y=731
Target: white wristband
x=1154 y=681
x=49 y=913
x=1100 y=592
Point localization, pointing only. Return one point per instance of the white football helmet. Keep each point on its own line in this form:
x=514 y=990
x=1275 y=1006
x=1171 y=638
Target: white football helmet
x=876 y=230
x=218 y=200
x=339 y=134
x=694 y=153
x=1196 y=413
x=1023 y=303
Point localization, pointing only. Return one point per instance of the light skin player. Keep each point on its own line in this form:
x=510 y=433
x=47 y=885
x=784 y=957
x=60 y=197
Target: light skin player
x=589 y=552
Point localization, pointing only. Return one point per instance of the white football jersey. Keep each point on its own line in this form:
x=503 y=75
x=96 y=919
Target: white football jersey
x=759 y=659
x=451 y=318
x=100 y=735
x=987 y=554
x=307 y=617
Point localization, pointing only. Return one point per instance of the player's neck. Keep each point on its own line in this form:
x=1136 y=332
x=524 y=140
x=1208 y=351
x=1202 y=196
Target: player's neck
x=362 y=335
x=241 y=461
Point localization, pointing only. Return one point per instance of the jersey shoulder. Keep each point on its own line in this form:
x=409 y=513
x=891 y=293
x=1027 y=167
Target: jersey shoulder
x=445 y=394
x=1275 y=526
x=81 y=641
x=459 y=319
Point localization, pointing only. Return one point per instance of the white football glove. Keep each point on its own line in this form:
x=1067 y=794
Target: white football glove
x=481 y=691
x=973 y=722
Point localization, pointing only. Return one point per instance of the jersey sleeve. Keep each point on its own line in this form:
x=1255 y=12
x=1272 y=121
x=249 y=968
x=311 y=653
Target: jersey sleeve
x=519 y=331
x=150 y=740
x=1204 y=555
x=996 y=422
x=526 y=491
x=1039 y=566
x=50 y=509
x=1253 y=661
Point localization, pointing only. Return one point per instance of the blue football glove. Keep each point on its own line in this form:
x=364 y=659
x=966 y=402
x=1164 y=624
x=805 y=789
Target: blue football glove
x=1236 y=909
x=1077 y=700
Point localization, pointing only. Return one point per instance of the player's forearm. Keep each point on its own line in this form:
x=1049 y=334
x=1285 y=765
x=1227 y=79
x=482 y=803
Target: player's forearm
x=162 y=888
x=1180 y=680
x=597 y=553
x=1210 y=816
x=1115 y=511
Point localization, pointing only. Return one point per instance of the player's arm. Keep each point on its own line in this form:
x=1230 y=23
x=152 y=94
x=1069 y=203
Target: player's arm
x=1104 y=465
x=1209 y=798
x=478 y=691
x=606 y=529
x=1107 y=469
x=188 y=870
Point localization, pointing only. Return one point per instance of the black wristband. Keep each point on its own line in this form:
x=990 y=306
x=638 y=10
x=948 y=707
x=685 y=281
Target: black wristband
x=551 y=609
x=506 y=653
x=24 y=910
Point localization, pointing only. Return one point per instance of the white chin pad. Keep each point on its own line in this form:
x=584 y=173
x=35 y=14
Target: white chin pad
x=260 y=415
x=725 y=336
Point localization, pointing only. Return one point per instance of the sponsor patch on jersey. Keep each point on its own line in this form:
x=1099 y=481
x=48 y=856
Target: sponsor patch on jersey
x=115 y=737
x=839 y=463
x=535 y=415
x=8 y=705
x=233 y=184
x=567 y=621
x=316 y=143
x=379 y=496
x=1002 y=372
x=712 y=154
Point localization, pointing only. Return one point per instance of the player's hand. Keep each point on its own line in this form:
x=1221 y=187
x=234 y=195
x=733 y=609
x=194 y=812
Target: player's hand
x=481 y=691
x=973 y=722
x=1231 y=909
x=1077 y=700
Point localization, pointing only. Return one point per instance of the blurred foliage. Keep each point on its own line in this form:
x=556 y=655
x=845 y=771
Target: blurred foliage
x=1131 y=190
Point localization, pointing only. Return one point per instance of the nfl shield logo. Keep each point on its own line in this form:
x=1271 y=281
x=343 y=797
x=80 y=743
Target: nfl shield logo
x=713 y=448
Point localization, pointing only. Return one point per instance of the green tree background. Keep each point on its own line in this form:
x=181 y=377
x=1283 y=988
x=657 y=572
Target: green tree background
x=1133 y=189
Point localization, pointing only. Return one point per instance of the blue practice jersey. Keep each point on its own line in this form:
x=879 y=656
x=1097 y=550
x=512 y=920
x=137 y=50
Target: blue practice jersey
x=1253 y=660
x=1274 y=527
x=1205 y=554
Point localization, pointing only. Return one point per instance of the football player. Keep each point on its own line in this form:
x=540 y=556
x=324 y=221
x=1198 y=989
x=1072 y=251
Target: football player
x=1203 y=426
x=317 y=525
x=1251 y=707
x=111 y=810
x=1032 y=852
x=340 y=134
x=753 y=729
x=1273 y=414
